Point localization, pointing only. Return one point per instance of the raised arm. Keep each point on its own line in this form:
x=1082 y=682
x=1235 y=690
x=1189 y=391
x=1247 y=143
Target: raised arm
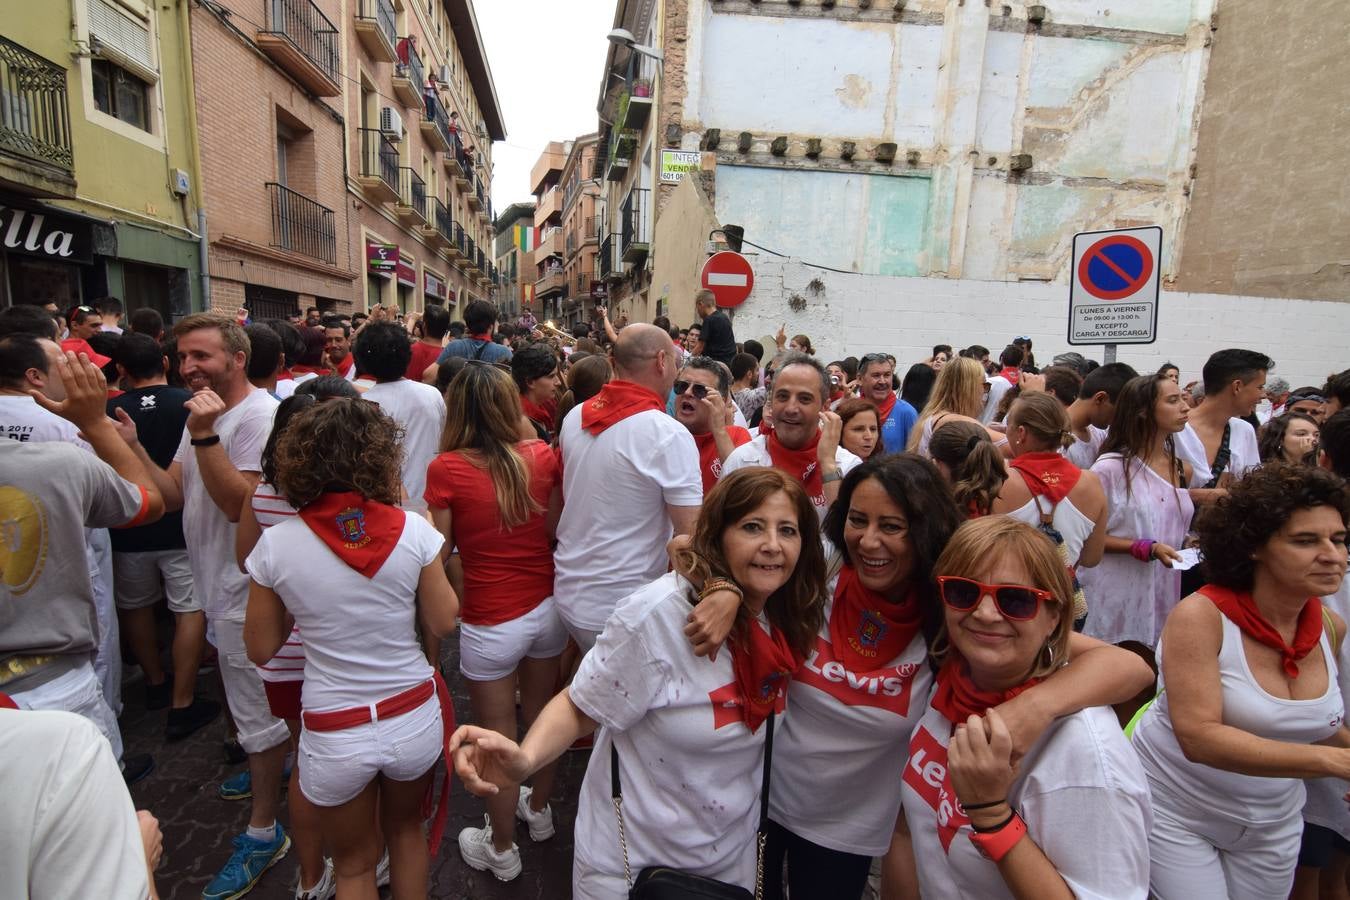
x=487 y=762
x=229 y=488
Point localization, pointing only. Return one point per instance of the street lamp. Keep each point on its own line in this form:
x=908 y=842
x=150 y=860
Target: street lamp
x=624 y=38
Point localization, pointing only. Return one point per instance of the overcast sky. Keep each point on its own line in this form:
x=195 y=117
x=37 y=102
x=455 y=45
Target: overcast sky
x=546 y=58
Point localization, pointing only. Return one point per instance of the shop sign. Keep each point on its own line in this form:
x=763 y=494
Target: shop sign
x=406 y=274
x=676 y=165
x=382 y=258
x=433 y=285
x=43 y=234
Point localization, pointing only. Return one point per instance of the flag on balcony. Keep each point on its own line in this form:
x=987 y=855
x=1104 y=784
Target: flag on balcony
x=528 y=290
x=525 y=237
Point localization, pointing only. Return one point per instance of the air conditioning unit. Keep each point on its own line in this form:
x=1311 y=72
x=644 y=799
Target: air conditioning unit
x=444 y=75
x=391 y=123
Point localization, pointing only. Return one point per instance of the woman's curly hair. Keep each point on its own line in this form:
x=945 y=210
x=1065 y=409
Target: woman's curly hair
x=347 y=445
x=1255 y=509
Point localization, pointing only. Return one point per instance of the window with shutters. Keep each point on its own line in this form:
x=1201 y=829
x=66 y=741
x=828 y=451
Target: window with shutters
x=120 y=94
x=124 y=67
x=123 y=37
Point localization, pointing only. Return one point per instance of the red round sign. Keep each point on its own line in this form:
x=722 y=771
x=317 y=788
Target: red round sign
x=729 y=276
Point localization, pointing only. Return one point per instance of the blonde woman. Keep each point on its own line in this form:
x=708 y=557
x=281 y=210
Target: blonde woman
x=958 y=394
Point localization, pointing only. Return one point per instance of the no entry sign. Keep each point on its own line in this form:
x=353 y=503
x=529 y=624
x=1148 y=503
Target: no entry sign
x=729 y=276
x=1113 y=295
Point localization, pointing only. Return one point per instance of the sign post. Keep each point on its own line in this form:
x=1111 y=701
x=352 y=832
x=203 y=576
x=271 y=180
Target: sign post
x=1114 y=285
x=730 y=278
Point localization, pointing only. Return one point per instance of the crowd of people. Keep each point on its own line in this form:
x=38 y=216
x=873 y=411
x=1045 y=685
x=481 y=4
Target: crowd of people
x=824 y=628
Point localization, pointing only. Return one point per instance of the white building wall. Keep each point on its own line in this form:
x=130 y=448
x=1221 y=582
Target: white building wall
x=852 y=314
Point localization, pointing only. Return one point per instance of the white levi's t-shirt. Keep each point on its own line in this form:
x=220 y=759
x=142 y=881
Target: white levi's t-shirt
x=1243 y=452
x=360 y=641
x=838 y=751
x=689 y=768
x=756 y=453
x=1080 y=790
x=221 y=588
x=614 y=527
x=419 y=409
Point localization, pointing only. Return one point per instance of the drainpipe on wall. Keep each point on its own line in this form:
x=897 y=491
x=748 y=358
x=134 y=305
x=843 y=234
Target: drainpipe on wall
x=195 y=146
x=203 y=254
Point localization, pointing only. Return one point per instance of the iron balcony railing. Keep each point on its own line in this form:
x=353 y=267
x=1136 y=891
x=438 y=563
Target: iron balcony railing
x=634 y=226
x=34 y=108
x=478 y=189
x=444 y=224
x=301 y=225
x=461 y=240
x=412 y=190
x=379 y=158
x=382 y=12
x=436 y=113
x=605 y=259
x=470 y=249
x=305 y=26
x=412 y=69
x=583 y=283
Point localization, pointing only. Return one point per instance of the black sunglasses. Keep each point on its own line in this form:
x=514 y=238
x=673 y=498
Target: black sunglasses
x=700 y=390
x=1014 y=601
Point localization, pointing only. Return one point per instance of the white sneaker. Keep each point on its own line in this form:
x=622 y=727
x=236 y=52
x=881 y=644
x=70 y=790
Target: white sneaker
x=382 y=871
x=541 y=823
x=475 y=845
x=326 y=889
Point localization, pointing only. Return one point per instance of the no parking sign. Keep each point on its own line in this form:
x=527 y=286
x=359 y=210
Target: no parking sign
x=1114 y=284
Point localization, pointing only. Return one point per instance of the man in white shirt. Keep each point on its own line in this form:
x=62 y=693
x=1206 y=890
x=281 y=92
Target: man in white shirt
x=804 y=441
x=419 y=409
x=1008 y=375
x=1218 y=444
x=1091 y=413
x=216 y=468
x=630 y=480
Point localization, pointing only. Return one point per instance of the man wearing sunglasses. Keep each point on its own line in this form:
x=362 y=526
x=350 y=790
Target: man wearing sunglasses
x=702 y=398
x=804 y=440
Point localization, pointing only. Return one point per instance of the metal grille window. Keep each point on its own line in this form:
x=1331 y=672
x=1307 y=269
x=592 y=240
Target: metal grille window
x=123 y=38
x=120 y=94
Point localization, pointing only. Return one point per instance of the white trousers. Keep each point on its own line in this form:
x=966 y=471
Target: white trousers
x=108 y=656
x=77 y=691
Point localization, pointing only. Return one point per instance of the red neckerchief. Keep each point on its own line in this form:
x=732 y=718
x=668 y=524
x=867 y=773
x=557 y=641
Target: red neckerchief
x=1012 y=373
x=361 y=532
x=866 y=630
x=7 y=702
x=485 y=336
x=802 y=464
x=286 y=375
x=299 y=369
x=536 y=413
x=343 y=367
x=884 y=409
x=617 y=401
x=764 y=427
x=709 y=464
x=836 y=396
x=1241 y=609
x=763 y=663
x=958 y=698
x=1047 y=475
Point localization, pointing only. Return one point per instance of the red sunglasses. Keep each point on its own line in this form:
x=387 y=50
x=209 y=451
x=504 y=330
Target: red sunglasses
x=1014 y=601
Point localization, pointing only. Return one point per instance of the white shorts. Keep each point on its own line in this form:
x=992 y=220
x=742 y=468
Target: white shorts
x=337 y=765
x=141 y=579
x=259 y=730
x=490 y=652
x=77 y=691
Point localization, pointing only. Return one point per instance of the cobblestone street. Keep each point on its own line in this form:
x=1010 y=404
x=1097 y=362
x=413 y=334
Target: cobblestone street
x=198 y=826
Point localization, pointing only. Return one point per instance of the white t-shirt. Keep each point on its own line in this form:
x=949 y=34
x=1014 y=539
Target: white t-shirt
x=756 y=453
x=21 y=419
x=836 y=751
x=69 y=828
x=614 y=527
x=689 y=769
x=998 y=386
x=1084 y=453
x=419 y=409
x=1244 y=454
x=220 y=586
x=1080 y=790
x=1326 y=803
x=360 y=642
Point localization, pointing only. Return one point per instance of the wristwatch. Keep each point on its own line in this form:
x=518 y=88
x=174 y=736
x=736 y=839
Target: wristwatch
x=996 y=844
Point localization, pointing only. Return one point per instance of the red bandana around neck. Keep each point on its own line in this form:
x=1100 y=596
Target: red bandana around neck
x=1012 y=373
x=1047 y=475
x=1241 y=609
x=803 y=464
x=361 y=532
x=345 y=366
x=866 y=630
x=763 y=663
x=536 y=413
x=958 y=698
x=299 y=369
x=617 y=401
x=884 y=409
x=485 y=336
x=709 y=463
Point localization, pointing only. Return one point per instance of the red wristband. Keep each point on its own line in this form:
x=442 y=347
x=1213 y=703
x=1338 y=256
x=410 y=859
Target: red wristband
x=994 y=845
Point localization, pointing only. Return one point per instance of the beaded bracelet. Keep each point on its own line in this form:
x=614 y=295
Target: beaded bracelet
x=713 y=585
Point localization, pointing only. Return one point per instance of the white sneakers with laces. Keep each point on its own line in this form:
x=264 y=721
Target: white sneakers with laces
x=475 y=845
x=326 y=889
x=541 y=823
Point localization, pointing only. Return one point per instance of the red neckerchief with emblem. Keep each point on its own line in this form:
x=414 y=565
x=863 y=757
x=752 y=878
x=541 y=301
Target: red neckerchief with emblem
x=884 y=409
x=1047 y=475
x=957 y=697
x=763 y=662
x=866 y=630
x=709 y=464
x=361 y=532
x=1012 y=373
x=1241 y=609
x=803 y=464
x=617 y=401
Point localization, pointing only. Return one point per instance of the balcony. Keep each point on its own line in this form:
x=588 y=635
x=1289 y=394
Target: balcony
x=622 y=149
x=375 y=29
x=635 y=107
x=409 y=76
x=635 y=232
x=456 y=163
x=35 y=141
x=582 y=282
x=412 y=197
x=469 y=249
x=551 y=283
x=548 y=211
x=435 y=124
x=302 y=226
x=459 y=244
x=378 y=171
x=475 y=196
x=607 y=260
x=548 y=168
x=427 y=228
x=302 y=40
x=550 y=243
x=445 y=226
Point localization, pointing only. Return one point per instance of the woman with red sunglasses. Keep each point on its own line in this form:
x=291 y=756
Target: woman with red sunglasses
x=1071 y=819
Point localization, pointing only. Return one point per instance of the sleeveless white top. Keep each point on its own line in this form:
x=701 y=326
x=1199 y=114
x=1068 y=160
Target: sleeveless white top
x=1248 y=799
x=1071 y=523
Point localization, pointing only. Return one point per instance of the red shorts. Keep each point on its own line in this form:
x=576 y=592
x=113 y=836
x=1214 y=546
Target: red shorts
x=283 y=698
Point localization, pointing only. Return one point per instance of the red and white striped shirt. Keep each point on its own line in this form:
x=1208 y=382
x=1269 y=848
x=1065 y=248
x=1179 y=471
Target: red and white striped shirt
x=270 y=508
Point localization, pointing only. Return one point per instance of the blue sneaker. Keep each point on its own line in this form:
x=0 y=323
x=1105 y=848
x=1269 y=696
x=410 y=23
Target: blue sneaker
x=250 y=859
x=237 y=787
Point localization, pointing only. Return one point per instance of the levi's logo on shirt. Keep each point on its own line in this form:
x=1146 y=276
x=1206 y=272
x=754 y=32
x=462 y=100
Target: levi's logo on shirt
x=926 y=772
x=887 y=688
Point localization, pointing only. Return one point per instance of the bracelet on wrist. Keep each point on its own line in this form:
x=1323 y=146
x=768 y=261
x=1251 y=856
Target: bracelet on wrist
x=990 y=829
x=713 y=585
x=990 y=805
x=209 y=441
